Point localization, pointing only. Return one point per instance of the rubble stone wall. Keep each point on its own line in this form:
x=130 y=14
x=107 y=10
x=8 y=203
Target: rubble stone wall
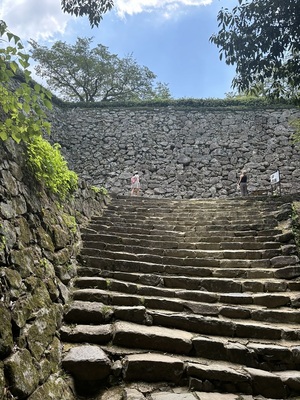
x=39 y=242
x=179 y=153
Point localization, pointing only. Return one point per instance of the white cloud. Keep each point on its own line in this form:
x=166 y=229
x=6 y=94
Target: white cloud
x=36 y=19
x=167 y=7
x=43 y=20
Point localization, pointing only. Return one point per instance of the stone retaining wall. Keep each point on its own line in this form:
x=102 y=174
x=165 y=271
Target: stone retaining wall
x=180 y=153
x=39 y=241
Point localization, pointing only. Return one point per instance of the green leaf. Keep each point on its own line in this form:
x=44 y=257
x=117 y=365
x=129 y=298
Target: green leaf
x=26 y=108
x=48 y=104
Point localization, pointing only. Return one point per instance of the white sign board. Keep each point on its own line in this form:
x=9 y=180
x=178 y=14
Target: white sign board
x=275 y=178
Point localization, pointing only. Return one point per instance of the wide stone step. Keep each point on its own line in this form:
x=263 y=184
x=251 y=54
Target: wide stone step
x=149 y=226
x=187 y=221
x=211 y=325
x=158 y=255
x=156 y=279
x=195 y=205
x=153 y=285
x=251 y=353
x=172 y=233
x=196 y=209
x=186 y=240
x=147 y=246
x=251 y=312
x=153 y=264
x=238 y=216
x=95 y=313
x=90 y=360
x=206 y=268
x=186 y=256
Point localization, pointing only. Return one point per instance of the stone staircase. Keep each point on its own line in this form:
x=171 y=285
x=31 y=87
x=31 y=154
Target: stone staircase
x=197 y=294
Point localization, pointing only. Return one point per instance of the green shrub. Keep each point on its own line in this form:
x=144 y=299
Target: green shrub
x=50 y=168
x=101 y=190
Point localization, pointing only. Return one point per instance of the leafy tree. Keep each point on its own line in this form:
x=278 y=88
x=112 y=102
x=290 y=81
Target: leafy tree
x=22 y=103
x=92 y=8
x=262 y=37
x=77 y=72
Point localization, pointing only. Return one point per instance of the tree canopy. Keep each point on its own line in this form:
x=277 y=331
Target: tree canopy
x=262 y=38
x=79 y=72
x=94 y=9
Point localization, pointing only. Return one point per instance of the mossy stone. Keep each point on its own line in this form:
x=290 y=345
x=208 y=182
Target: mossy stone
x=41 y=332
x=62 y=237
x=7 y=230
x=25 y=261
x=10 y=182
x=24 y=232
x=44 y=239
x=55 y=388
x=49 y=364
x=27 y=307
x=62 y=256
x=22 y=374
x=14 y=282
x=6 y=336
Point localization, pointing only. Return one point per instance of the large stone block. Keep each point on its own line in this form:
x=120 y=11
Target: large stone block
x=22 y=373
x=87 y=363
x=153 y=368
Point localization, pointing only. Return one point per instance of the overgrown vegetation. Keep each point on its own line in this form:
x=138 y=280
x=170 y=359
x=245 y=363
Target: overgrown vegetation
x=50 y=168
x=209 y=103
x=23 y=106
x=101 y=190
x=296 y=125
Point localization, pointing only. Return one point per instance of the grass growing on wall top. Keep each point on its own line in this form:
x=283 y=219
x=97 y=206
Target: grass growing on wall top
x=229 y=103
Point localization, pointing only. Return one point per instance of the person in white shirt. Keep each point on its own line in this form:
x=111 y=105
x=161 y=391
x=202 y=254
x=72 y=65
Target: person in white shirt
x=135 y=184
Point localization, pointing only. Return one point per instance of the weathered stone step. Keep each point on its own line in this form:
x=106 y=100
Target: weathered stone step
x=185 y=240
x=262 y=280
x=194 y=205
x=90 y=361
x=175 y=256
x=250 y=311
x=142 y=246
x=188 y=220
x=264 y=329
x=154 y=286
x=232 y=259
x=155 y=278
x=200 y=217
x=200 y=267
x=197 y=226
x=173 y=233
x=95 y=313
x=264 y=355
x=131 y=252
x=228 y=209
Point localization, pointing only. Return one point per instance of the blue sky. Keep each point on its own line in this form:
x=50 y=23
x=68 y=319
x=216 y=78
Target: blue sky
x=170 y=37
